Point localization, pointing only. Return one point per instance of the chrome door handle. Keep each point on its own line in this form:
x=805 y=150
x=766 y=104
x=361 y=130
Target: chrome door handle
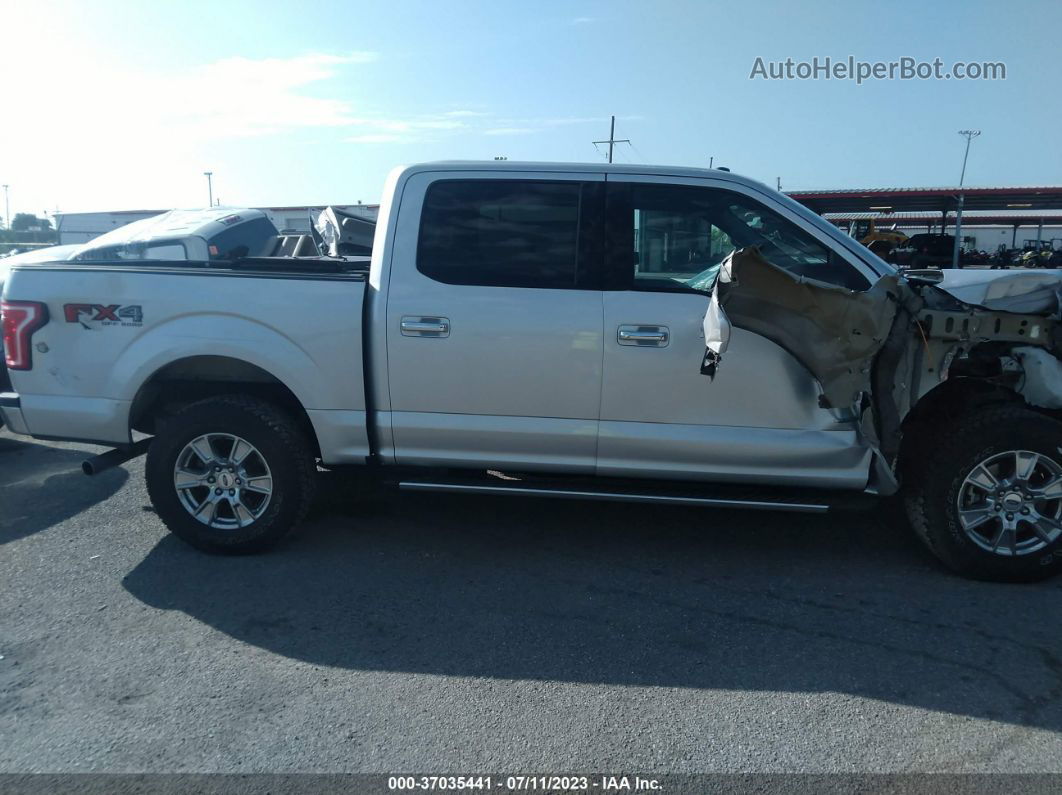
x=649 y=336
x=425 y=327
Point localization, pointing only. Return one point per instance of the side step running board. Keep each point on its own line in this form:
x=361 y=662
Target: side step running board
x=614 y=496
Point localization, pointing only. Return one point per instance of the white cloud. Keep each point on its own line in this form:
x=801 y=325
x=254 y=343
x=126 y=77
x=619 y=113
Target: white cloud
x=109 y=131
x=233 y=97
x=582 y=20
x=400 y=130
x=566 y=120
x=120 y=130
x=241 y=96
x=375 y=138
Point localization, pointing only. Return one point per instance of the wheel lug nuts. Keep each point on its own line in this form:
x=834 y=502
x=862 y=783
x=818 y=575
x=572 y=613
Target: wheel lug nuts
x=217 y=492
x=239 y=482
x=232 y=492
x=1025 y=511
x=1010 y=517
x=211 y=479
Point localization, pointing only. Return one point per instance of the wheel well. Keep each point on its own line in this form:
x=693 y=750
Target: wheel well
x=198 y=377
x=939 y=407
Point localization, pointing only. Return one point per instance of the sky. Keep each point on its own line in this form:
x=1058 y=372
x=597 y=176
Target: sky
x=123 y=105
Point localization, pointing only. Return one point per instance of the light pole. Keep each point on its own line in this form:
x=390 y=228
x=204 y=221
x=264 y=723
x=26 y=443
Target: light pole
x=7 y=209
x=969 y=135
x=210 y=188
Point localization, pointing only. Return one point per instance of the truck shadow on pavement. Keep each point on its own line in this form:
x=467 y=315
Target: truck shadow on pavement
x=631 y=595
x=42 y=485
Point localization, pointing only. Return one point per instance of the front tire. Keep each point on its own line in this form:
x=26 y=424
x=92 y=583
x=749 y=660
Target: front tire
x=230 y=474
x=986 y=496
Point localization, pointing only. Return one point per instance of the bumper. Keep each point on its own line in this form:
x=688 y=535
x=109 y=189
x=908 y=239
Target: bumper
x=72 y=419
x=11 y=413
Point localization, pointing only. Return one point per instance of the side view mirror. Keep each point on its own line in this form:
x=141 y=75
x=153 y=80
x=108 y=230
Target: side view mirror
x=924 y=275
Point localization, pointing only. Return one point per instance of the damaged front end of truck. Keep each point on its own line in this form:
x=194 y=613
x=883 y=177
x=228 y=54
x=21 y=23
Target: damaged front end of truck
x=881 y=353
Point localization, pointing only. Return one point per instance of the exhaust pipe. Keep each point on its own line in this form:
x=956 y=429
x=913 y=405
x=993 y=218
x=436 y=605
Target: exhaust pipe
x=112 y=458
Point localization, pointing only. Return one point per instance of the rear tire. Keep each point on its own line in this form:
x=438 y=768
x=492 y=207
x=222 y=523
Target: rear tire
x=986 y=495
x=230 y=474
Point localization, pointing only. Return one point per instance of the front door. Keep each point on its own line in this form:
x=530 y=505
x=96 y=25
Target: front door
x=759 y=419
x=494 y=336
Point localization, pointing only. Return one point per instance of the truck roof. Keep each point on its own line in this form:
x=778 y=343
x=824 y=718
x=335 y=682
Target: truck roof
x=875 y=263
x=590 y=168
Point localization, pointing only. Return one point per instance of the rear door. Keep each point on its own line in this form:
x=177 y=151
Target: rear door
x=759 y=419
x=494 y=321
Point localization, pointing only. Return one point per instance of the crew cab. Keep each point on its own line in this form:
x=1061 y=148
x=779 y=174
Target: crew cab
x=633 y=333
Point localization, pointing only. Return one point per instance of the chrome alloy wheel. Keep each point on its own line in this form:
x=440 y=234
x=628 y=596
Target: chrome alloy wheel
x=1011 y=503
x=223 y=481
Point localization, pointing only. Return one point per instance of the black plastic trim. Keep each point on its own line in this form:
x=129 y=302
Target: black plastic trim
x=207 y=269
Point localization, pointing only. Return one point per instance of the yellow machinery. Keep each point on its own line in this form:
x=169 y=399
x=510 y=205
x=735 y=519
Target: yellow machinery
x=880 y=241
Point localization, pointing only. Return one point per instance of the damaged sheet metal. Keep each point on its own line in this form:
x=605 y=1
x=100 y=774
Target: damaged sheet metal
x=1032 y=292
x=716 y=330
x=342 y=234
x=833 y=331
x=877 y=352
x=1041 y=384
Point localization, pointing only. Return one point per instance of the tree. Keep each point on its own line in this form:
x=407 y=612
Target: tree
x=25 y=221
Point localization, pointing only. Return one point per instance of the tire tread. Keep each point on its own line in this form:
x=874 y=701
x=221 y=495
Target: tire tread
x=289 y=435
x=928 y=484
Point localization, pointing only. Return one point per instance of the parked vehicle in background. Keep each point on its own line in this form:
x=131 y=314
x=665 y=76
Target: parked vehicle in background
x=1036 y=255
x=633 y=333
x=216 y=233
x=974 y=258
x=925 y=250
x=881 y=240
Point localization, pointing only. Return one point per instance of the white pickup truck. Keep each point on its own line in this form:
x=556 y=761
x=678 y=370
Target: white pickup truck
x=647 y=334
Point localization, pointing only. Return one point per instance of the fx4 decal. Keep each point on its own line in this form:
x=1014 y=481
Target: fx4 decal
x=96 y=315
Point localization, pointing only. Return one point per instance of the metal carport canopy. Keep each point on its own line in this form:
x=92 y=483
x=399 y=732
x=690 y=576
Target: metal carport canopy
x=940 y=200
x=975 y=218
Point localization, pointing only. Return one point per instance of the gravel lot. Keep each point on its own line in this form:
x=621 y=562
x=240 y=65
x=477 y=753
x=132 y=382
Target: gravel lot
x=460 y=634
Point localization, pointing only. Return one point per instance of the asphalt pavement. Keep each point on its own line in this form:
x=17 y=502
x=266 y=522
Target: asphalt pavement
x=426 y=633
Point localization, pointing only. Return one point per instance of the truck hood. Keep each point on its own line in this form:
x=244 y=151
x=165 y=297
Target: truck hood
x=1026 y=291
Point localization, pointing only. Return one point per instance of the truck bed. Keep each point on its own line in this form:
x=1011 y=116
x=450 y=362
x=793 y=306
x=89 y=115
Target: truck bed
x=120 y=326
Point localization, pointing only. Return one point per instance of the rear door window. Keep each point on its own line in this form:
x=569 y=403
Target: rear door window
x=508 y=233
